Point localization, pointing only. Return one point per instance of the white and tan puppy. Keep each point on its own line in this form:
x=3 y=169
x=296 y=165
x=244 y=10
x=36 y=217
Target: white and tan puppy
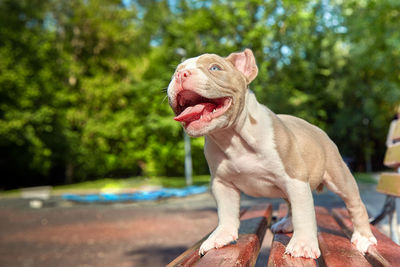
x=250 y=149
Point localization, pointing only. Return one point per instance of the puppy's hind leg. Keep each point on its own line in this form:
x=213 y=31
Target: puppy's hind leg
x=285 y=224
x=340 y=181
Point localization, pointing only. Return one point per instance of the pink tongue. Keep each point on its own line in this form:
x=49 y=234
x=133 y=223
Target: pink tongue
x=194 y=113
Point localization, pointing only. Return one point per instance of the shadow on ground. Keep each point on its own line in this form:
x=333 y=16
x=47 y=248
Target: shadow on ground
x=154 y=255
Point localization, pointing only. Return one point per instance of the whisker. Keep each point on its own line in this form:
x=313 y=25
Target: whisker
x=164 y=90
x=165 y=97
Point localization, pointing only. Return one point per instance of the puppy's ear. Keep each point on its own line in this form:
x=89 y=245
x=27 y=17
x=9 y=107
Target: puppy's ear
x=245 y=63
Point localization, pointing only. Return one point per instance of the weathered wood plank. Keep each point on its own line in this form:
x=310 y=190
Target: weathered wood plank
x=277 y=256
x=253 y=224
x=389 y=183
x=243 y=253
x=386 y=253
x=392 y=156
x=333 y=237
x=335 y=246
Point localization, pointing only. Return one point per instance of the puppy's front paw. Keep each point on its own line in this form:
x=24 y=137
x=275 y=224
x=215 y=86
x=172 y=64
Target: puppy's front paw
x=220 y=237
x=303 y=246
x=283 y=226
x=362 y=242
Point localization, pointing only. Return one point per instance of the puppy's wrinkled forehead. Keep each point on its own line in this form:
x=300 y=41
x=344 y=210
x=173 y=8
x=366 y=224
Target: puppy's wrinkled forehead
x=204 y=62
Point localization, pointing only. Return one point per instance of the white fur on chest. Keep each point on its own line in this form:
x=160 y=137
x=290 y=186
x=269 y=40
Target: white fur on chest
x=248 y=157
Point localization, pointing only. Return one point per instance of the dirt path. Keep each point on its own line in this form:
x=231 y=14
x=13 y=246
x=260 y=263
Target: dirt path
x=147 y=234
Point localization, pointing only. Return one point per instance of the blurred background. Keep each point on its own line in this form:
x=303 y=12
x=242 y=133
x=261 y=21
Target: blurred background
x=81 y=84
x=81 y=81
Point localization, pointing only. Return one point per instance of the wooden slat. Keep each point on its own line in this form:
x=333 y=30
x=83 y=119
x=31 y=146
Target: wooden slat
x=396 y=132
x=389 y=183
x=277 y=256
x=336 y=248
x=392 y=156
x=253 y=224
x=386 y=253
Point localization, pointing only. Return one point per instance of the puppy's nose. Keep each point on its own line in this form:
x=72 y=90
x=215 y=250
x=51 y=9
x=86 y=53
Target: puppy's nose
x=183 y=75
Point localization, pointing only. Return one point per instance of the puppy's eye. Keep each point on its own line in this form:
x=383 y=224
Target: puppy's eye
x=215 y=67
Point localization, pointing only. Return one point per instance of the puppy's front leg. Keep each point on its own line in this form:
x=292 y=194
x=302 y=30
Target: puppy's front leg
x=228 y=203
x=304 y=242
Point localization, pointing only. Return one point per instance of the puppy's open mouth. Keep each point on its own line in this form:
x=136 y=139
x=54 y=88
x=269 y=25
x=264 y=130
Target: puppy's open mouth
x=194 y=107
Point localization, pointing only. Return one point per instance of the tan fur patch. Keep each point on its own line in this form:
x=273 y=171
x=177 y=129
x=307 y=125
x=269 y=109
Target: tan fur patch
x=180 y=67
x=224 y=81
x=315 y=148
x=252 y=120
x=288 y=151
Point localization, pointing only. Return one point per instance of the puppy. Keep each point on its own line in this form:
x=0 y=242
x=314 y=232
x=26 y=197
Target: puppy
x=250 y=149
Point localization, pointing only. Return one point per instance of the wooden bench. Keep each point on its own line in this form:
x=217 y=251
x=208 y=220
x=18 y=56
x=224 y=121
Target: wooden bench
x=334 y=231
x=253 y=224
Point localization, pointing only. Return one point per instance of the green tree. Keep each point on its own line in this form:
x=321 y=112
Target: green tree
x=368 y=84
x=31 y=72
x=81 y=81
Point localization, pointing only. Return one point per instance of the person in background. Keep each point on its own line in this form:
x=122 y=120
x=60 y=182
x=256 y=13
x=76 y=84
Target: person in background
x=389 y=139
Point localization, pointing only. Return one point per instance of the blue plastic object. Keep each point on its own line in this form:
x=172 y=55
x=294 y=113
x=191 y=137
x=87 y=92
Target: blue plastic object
x=137 y=196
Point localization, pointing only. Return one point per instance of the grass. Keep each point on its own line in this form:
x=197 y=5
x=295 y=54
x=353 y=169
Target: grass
x=134 y=182
x=177 y=182
x=111 y=184
x=11 y=193
x=364 y=177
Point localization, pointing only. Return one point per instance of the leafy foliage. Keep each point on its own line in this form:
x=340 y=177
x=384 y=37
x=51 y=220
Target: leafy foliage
x=81 y=81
